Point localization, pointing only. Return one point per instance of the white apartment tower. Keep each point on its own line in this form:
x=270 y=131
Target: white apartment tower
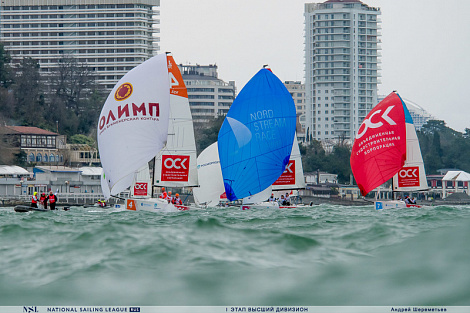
x=110 y=36
x=341 y=67
x=297 y=91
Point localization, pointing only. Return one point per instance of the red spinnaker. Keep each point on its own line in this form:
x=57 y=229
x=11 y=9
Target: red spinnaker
x=379 y=150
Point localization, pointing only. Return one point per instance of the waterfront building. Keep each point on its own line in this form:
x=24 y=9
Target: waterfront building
x=11 y=179
x=110 y=36
x=341 y=67
x=209 y=96
x=297 y=91
x=40 y=146
x=82 y=155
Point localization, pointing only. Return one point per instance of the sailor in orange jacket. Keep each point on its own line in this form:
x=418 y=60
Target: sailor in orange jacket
x=177 y=200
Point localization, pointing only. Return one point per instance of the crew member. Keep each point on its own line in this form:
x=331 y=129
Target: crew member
x=177 y=199
x=34 y=200
x=169 y=198
x=163 y=195
x=43 y=200
x=271 y=199
x=287 y=199
x=52 y=200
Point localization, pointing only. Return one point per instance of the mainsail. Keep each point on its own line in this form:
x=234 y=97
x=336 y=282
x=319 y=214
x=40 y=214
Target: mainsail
x=255 y=140
x=385 y=140
x=133 y=124
x=293 y=176
x=176 y=164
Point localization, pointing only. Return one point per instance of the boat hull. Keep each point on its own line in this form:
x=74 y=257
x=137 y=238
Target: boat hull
x=266 y=205
x=393 y=204
x=155 y=205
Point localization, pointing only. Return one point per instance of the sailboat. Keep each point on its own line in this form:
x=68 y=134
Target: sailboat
x=386 y=146
x=133 y=129
x=256 y=137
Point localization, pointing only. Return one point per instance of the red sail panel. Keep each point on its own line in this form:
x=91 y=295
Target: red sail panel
x=379 y=150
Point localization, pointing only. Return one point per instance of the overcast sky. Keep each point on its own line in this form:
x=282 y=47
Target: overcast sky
x=425 y=45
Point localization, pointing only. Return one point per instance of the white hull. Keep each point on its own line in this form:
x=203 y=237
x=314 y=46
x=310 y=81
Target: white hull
x=266 y=205
x=156 y=205
x=393 y=204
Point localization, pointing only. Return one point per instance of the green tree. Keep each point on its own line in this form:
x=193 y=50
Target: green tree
x=313 y=156
x=207 y=135
x=30 y=104
x=82 y=139
x=6 y=75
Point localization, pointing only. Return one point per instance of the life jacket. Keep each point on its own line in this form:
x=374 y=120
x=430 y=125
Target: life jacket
x=51 y=198
x=34 y=199
x=177 y=201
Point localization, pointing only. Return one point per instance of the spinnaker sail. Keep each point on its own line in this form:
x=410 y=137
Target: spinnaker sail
x=133 y=124
x=384 y=142
x=256 y=137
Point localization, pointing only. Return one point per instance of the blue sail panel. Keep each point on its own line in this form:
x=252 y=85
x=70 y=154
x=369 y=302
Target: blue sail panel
x=256 y=137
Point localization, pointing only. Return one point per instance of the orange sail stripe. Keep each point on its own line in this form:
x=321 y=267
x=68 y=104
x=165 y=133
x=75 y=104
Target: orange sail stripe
x=177 y=86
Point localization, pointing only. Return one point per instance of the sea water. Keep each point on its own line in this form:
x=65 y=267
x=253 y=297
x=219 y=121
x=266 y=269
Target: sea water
x=312 y=256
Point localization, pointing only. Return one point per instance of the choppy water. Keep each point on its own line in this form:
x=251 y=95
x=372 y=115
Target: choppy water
x=324 y=255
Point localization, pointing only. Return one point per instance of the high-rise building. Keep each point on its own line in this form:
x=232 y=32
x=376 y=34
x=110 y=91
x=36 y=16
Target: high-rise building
x=341 y=67
x=209 y=96
x=297 y=91
x=110 y=36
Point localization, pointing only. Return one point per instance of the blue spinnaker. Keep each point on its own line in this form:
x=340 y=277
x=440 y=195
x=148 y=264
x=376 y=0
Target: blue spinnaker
x=255 y=140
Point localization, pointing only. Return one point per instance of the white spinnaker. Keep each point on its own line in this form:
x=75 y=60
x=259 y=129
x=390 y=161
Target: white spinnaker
x=129 y=139
x=299 y=171
x=413 y=159
x=211 y=182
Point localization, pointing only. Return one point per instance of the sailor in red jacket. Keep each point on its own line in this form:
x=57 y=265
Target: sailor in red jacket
x=52 y=200
x=43 y=200
x=177 y=199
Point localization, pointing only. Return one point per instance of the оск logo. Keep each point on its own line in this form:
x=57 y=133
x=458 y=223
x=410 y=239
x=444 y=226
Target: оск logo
x=175 y=167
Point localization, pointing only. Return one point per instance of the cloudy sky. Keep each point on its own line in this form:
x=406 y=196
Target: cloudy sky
x=425 y=45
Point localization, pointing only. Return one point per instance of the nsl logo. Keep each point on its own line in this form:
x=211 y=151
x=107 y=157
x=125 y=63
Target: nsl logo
x=30 y=309
x=369 y=124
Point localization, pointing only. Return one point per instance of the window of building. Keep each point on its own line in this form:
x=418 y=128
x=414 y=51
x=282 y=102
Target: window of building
x=31 y=157
x=39 y=157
